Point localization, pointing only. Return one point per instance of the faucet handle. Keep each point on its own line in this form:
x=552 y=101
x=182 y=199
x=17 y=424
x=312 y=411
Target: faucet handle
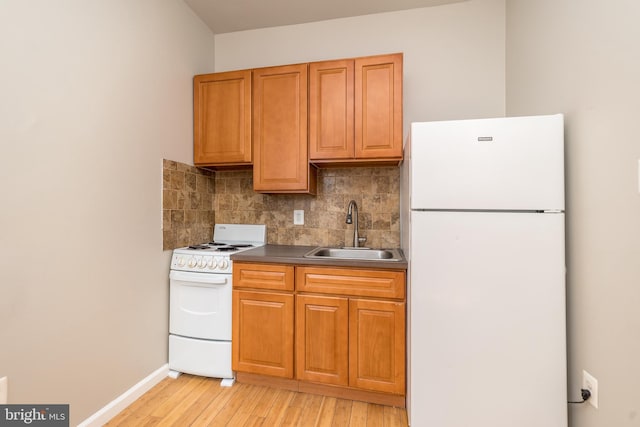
x=362 y=239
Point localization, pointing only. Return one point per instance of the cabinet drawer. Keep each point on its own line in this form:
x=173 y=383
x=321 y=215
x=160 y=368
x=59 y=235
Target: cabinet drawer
x=263 y=276
x=355 y=282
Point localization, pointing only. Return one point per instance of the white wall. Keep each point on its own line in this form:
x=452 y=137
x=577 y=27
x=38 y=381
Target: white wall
x=580 y=58
x=93 y=96
x=453 y=55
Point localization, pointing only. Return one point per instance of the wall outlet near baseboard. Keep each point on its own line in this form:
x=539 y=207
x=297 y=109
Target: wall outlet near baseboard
x=590 y=383
x=4 y=390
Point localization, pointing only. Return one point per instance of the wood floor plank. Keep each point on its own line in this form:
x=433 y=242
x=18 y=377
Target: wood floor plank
x=243 y=413
x=294 y=411
x=192 y=405
x=200 y=405
x=216 y=405
x=278 y=410
x=327 y=411
x=197 y=401
x=233 y=405
x=394 y=416
x=143 y=401
x=311 y=410
x=358 y=414
x=172 y=401
x=266 y=403
x=375 y=415
x=135 y=413
x=254 y=421
x=342 y=413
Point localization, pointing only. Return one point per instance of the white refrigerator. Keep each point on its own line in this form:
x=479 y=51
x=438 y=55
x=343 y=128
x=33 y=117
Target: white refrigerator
x=483 y=230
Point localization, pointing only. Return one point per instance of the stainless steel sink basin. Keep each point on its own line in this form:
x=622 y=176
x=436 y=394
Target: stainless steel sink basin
x=355 y=253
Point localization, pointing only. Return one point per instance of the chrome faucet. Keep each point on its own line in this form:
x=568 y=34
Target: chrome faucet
x=356 y=237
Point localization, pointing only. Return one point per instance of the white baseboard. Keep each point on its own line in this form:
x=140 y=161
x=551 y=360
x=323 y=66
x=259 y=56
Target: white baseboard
x=114 y=407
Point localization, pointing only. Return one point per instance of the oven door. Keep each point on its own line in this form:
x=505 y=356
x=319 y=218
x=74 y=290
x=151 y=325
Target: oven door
x=200 y=305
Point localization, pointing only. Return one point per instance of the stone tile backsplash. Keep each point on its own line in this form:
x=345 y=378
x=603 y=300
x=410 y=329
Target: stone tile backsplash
x=376 y=191
x=187 y=205
x=193 y=199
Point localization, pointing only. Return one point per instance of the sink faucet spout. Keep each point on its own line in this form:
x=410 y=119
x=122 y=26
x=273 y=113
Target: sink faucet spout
x=351 y=210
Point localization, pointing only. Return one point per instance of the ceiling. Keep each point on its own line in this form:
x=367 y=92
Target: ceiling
x=225 y=16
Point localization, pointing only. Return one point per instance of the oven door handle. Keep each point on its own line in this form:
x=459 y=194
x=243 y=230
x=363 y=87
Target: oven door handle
x=208 y=278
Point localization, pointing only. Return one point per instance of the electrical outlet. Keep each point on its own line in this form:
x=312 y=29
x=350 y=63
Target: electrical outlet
x=4 y=390
x=590 y=383
x=298 y=217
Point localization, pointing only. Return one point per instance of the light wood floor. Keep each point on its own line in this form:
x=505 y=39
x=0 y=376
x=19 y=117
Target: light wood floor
x=199 y=401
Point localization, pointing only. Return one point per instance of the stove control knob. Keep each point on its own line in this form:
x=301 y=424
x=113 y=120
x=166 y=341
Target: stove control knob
x=223 y=263
x=201 y=263
x=180 y=261
x=192 y=262
x=212 y=263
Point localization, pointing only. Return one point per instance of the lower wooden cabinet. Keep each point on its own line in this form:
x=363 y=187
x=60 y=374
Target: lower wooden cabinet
x=322 y=339
x=351 y=342
x=377 y=345
x=348 y=326
x=262 y=341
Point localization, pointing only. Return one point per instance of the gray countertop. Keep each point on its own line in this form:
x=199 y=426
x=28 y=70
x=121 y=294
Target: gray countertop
x=292 y=254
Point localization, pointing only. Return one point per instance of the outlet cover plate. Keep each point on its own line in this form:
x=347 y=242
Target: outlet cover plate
x=590 y=383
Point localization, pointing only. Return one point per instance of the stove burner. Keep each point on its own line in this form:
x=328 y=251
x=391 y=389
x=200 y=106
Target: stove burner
x=226 y=249
x=198 y=247
x=234 y=245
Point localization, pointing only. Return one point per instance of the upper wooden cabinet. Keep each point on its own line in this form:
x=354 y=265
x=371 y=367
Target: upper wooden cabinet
x=281 y=163
x=355 y=112
x=331 y=131
x=378 y=105
x=287 y=120
x=222 y=119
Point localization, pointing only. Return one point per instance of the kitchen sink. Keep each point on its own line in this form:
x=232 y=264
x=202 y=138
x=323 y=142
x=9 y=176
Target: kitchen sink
x=355 y=253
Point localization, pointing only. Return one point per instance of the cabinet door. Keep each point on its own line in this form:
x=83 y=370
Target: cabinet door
x=222 y=118
x=331 y=132
x=262 y=333
x=377 y=345
x=322 y=339
x=378 y=107
x=281 y=163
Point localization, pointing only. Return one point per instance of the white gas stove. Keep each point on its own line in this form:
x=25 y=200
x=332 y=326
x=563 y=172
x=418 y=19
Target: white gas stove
x=200 y=298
